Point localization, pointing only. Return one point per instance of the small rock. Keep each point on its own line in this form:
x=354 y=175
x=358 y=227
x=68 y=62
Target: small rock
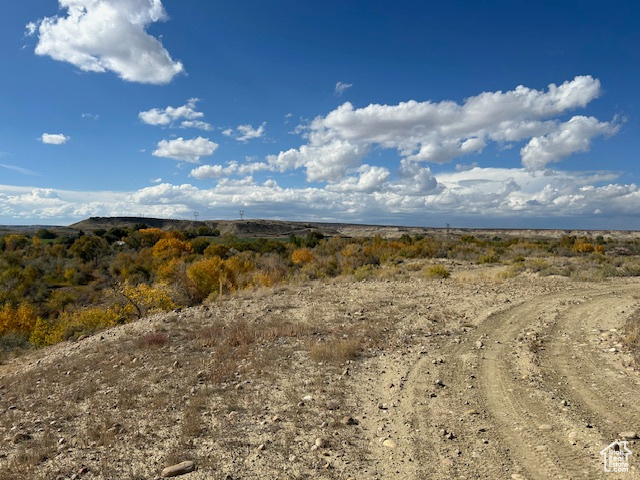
x=517 y=476
x=388 y=443
x=479 y=344
x=333 y=405
x=349 y=421
x=261 y=447
x=179 y=469
x=473 y=411
x=320 y=442
x=276 y=419
x=628 y=436
x=439 y=383
x=545 y=427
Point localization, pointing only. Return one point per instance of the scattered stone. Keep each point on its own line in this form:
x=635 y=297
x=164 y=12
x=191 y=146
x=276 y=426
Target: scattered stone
x=382 y=406
x=565 y=403
x=472 y=411
x=545 y=427
x=333 y=405
x=439 y=383
x=307 y=398
x=389 y=443
x=321 y=442
x=179 y=469
x=479 y=344
x=349 y=421
x=261 y=447
x=517 y=476
x=628 y=436
x=276 y=419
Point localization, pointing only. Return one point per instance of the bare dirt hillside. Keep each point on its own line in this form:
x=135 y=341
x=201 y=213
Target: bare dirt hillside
x=474 y=376
x=277 y=228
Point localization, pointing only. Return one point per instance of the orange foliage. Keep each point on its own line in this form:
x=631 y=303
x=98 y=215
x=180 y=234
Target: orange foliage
x=170 y=248
x=302 y=255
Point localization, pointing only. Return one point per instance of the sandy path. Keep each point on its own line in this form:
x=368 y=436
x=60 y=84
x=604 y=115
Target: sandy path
x=532 y=393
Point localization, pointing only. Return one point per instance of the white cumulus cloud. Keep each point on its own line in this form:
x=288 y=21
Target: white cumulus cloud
x=186 y=150
x=169 y=116
x=54 y=138
x=232 y=168
x=244 y=133
x=440 y=132
x=569 y=137
x=108 y=35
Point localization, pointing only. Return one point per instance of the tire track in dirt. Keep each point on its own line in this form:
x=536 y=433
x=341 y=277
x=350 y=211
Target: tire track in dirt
x=528 y=413
x=469 y=412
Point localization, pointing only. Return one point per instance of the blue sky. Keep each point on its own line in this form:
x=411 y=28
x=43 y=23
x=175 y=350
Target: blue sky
x=477 y=114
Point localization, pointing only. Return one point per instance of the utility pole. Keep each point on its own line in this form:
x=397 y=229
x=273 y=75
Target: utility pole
x=195 y=215
x=241 y=214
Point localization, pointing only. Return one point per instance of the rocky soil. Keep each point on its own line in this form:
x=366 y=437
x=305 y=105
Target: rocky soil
x=474 y=376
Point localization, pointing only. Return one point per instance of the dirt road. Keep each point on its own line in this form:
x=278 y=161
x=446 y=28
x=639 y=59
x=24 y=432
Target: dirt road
x=535 y=391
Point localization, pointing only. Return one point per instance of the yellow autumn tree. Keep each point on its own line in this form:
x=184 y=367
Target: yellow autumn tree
x=17 y=319
x=210 y=275
x=302 y=256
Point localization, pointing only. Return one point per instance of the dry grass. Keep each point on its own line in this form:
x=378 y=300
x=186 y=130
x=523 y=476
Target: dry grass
x=437 y=271
x=154 y=339
x=335 y=351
